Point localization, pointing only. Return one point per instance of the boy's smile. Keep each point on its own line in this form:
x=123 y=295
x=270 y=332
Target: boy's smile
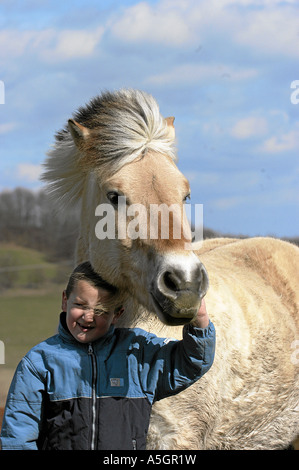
x=85 y=320
x=85 y=327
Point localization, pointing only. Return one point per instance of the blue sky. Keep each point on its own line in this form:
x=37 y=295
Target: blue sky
x=223 y=68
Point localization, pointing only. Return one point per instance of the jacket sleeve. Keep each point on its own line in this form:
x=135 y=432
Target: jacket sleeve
x=169 y=367
x=22 y=416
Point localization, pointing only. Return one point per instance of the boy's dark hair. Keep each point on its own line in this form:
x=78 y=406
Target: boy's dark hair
x=85 y=272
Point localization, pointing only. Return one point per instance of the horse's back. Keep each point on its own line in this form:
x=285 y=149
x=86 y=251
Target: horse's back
x=253 y=301
x=267 y=266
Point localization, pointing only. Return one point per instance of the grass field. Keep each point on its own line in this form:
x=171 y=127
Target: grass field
x=29 y=306
x=25 y=320
x=25 y=267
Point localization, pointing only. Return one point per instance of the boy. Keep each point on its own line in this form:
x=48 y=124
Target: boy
x=92 y=385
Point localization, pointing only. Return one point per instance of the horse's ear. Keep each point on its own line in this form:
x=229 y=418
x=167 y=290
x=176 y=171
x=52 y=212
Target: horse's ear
x=79 y=132
x=171 y=131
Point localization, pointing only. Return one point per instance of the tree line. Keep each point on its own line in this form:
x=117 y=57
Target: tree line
x=31 y=219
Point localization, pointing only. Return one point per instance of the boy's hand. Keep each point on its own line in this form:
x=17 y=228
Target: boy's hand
x=202 y=319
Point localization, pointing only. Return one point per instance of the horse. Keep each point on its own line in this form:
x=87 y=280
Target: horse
x=117 y=153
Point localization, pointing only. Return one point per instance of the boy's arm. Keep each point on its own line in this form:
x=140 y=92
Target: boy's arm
x=22 y=416
x=178 y=364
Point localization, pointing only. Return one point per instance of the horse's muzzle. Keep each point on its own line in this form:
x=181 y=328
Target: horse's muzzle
x=178 y=290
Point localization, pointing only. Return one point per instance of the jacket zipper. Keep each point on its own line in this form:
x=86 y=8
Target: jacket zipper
x=94 y=397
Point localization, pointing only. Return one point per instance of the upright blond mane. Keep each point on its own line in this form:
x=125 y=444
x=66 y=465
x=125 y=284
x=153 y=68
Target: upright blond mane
x=121 y=126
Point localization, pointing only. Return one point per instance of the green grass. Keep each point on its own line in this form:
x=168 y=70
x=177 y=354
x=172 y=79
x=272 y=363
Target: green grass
x=25 y=267
x=30 y=303
x=21 y=255
x=26 y=319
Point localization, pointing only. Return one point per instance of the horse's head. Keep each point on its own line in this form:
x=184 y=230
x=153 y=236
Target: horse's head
x=134 y=230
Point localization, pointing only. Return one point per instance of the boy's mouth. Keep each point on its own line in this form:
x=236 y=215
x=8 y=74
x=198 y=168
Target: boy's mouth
x=85 y=327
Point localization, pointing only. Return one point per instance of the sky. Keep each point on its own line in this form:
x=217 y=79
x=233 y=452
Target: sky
x=228 y=70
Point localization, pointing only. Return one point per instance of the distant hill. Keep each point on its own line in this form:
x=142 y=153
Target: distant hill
x=22 y=267
x=30 y=220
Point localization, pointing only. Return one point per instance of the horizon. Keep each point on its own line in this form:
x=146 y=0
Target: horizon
x=226 y=71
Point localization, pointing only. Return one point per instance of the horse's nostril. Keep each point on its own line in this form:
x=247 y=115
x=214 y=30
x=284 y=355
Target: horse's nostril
x=177 y=289
x=173 y=282
x=170 y=281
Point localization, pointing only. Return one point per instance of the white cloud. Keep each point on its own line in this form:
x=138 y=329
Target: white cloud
x=270 y=26
x=285 y=142
x=29 y=172
x=270 y=199
x=74 y=43
x=49 y=44
x=249 y=127
x=191 y=73
x=8 y=127
x=267 y=26
x=226 y=203
x=272 y=30
x=160 y=23
x=14 y=42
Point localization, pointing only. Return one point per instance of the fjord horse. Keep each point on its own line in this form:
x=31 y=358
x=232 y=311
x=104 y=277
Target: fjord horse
x=118 y=152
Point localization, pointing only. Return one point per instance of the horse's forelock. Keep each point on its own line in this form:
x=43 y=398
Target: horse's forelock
x=123 y=125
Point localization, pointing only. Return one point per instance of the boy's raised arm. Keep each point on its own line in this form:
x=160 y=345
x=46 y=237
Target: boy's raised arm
x=171 y=366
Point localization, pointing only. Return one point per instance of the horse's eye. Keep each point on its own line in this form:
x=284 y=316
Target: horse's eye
x=187 y=197
x=113 y=197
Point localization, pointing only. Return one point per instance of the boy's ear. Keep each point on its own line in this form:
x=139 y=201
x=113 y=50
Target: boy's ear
x=117 y=314
x=64 y=301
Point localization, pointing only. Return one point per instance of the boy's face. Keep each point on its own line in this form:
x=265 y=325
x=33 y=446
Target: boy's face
x=81 y=321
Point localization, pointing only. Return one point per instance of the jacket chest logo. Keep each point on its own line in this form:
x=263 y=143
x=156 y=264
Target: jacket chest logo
x=116 y=382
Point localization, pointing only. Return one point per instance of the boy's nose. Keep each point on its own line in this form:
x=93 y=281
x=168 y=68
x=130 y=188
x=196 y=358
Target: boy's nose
x=88 y=315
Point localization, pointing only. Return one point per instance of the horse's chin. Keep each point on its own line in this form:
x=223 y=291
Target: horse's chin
x=171 y=316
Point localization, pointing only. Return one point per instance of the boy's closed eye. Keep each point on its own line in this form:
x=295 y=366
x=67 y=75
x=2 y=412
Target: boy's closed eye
x=99 y=311
x=82 y=306
x=85 y=307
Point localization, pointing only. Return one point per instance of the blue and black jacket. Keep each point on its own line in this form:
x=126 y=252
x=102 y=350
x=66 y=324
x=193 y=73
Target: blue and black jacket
x=74 y=396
